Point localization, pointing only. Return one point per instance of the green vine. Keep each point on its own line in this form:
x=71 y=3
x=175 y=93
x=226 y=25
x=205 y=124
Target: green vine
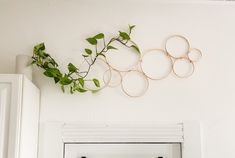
x=74 y=79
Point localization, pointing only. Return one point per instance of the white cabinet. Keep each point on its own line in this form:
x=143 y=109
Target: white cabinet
x=19 y=117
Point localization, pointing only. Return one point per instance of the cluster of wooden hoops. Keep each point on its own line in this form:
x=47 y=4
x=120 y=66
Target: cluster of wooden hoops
x=137 y=67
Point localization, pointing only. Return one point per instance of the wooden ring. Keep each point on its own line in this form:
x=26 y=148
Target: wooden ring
x=167 y=56
x=144 y=90
x=186 y=75
x=184 y=53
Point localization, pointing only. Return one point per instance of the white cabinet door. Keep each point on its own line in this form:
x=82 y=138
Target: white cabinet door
x=4 y=117
x=123 y=150
x=19 y=117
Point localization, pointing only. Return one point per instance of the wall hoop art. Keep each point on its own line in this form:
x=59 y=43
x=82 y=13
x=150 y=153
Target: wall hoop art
x=177 y=57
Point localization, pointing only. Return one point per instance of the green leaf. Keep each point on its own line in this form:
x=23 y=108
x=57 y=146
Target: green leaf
x=124 y=35
x=56 y=79
x=92 y=41
x=65 y=80
x=136 y=48
x=62 y=88
x=33 y=62
x=52 y=72
x=48 y=73
x=99 y=36
x=81 y=90
x=88 y=51
x=71 y=90
x=95 y=90
x=111 y=47
x=72 y=68
x=46 y=65
x=39 y=62
x=96 y=82
x=81 y=81
x=131 y=27
x=84 y=55
x=39 y=47
x=42 y=54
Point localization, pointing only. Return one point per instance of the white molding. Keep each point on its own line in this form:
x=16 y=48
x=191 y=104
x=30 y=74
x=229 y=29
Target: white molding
x=192 y=140
x=122 y=133
x=50 y=140
x=187 y=134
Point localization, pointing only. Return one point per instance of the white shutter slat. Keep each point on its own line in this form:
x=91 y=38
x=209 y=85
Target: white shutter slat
x=122 y=133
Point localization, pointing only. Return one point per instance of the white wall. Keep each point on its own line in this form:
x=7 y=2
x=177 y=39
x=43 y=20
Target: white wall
x=208 y=96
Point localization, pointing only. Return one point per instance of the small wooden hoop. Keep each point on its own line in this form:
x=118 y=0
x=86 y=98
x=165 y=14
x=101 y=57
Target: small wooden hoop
x=159 y=51
x=186 y=41
x=187 y=75
x=143 y=92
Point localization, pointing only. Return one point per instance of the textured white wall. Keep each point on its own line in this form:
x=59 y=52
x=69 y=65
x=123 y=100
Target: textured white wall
x=208 y=96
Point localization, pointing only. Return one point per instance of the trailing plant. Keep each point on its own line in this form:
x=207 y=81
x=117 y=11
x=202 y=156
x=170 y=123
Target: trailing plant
x=75 y=79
